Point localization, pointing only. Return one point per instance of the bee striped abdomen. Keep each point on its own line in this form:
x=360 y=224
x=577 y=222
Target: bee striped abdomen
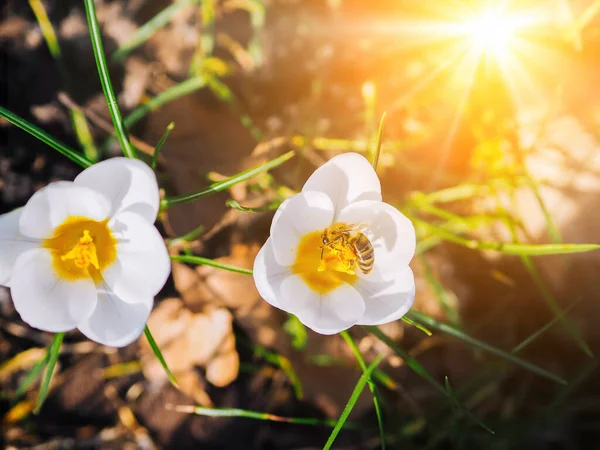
x=365 y=252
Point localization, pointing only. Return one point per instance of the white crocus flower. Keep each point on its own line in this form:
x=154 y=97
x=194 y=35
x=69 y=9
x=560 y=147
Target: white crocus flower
x=85 y=254
x=322 y=242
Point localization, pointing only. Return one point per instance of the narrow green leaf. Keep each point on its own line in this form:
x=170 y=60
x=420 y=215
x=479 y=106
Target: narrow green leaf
x=173 y=93
x=418 y=326
x=209 y=262
x=361 y=362
x=362 y=381
x=284 y=364
x=470 y=415
x=144 y=32
x=377 y=150
x=160 y=357
x=235 y=205
x=46 y=26
x=237 y=412
x=111 y=99
x=34 y=373
x=189 y=236
x=160 y=144
x=451 y=331
x=532 y=337
x=227 y=183
x=52 y=357
x=570 y=328
x=506 y=247
x=409 y=360
x=70 y=153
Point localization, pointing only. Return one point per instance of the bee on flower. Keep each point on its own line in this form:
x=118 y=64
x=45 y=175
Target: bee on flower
x=85 y=254
x=338 y=255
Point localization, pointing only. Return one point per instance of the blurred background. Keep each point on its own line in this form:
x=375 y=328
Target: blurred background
x=491 y=135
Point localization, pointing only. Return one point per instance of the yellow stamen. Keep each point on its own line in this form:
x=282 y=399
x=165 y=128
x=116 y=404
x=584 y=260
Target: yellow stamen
x=83 y=253
x=81 y=248
x=322 y=269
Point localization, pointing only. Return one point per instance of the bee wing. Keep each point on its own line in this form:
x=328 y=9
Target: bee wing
x=359 y=226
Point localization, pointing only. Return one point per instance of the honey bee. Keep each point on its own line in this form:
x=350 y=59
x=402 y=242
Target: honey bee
x=351 y=246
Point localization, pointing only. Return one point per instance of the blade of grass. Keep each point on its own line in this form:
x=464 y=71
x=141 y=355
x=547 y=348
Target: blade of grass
x=284 y=364
x=237 y=412
x=34 y=373
x=361 y=362
x=144 y=32
x=452 y=396
x=111 y=99
x=377 y=149
x=52 y=357
x=70 y=153
x=160 y=144
x=80 y=125
x=209 y=262
x=506 y=247
x=451 y=331
x=416 y=367
x=362 y=381
x=269 y=207
x=168 y=95
x=418 y=326
x=160 y=357
x=227 y=183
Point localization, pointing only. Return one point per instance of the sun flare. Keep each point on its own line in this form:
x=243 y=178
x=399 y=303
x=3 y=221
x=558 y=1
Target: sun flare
x=491 y=30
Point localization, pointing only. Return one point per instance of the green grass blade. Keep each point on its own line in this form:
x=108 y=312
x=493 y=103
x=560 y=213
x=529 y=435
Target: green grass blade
x=46 y=26
x=569 y=327
x=209 y=262
x=297 y=331
x=160 y=356
x=451 y=331
x=418 y=326
x=377 y=149
x=70 y=153
x=506 y=247
x=557 y=318
x=235 y=205
x=237 y=412
x=227 y=183
x=361 y=362
x=284 y=364
x=362 y=381
x=52 y=357
x=160 y=144
x=32 y=376
x=111 y=99
x=144 y=32
x=452 y=395
x=78 y=119
x=173 y=93
x=409 y=360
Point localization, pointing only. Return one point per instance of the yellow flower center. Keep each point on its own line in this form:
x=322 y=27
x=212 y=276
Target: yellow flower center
x=322 y=269
x=81 y=248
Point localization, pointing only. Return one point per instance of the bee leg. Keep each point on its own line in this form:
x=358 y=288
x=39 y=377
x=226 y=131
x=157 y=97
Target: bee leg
x=321 y=267
x=351 y=267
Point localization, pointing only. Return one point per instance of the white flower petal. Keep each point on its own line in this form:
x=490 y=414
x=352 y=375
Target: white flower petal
x=388 y=300
x=390 y=232
x=268 y=274
x=143 y=264
x=51 y=205
x=345 y=179
x=300 y=214
x=129 y=184
x=115 y=322
x=46 y=302
x=12 y=244
x=327 y=313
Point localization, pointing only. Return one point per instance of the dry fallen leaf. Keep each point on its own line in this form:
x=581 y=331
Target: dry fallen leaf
x=190 y=340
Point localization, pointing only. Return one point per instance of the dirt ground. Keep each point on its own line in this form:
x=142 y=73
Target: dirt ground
x=212 y=325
